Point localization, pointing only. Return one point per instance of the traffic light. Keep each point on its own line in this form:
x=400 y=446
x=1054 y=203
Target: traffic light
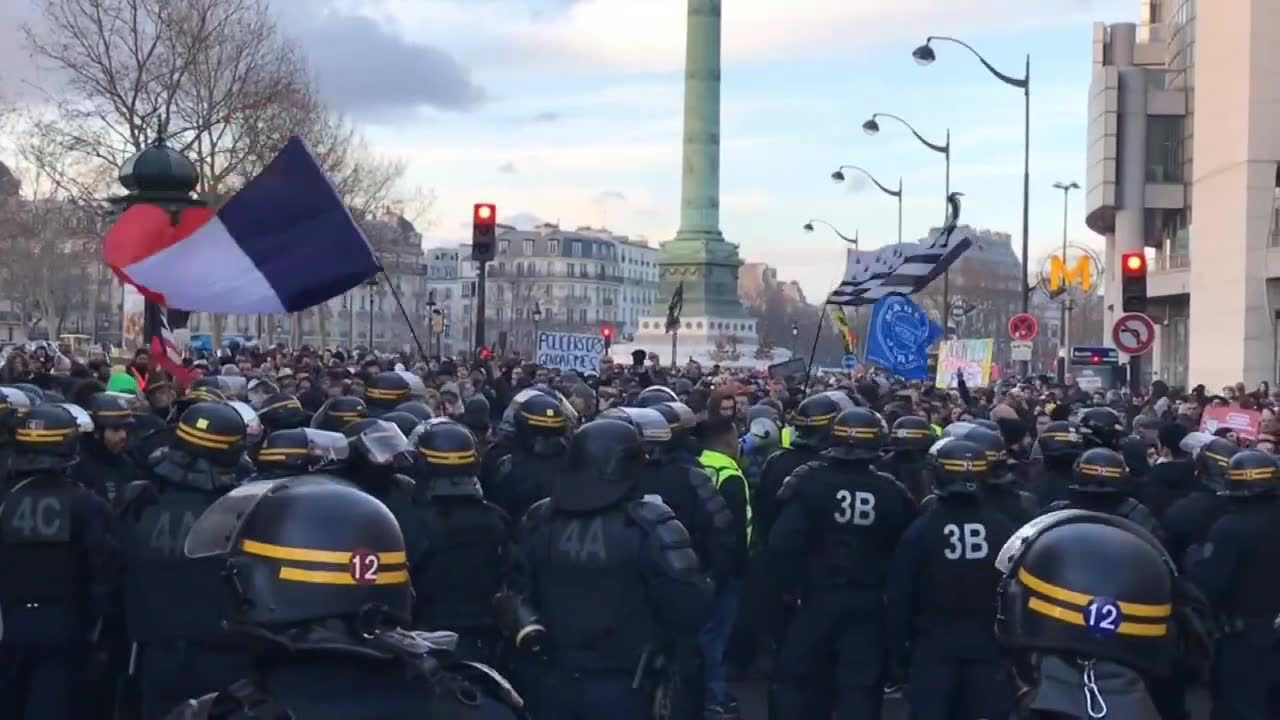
x=606 y=332
x=1133 y=282
x=484 y=222
x=485 y=353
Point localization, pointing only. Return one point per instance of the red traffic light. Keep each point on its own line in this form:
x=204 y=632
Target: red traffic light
x=485 y=213
x=606 y=332
x=1134 y=264
x=485 y=353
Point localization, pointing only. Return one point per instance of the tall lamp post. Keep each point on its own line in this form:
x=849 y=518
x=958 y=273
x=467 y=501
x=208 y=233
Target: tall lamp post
x=808 y=227
x=838 y=176
x=925 y=55
x=1064 y=331
x=795 y=337
x=537 y=318
x=872 y=127
x=372 y=285
x=431 y=319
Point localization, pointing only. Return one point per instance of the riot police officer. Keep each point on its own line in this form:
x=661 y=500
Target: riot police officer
x=385 y=391
x=14 y=406
x=416 y=408
x=1100 y=483
x=337 y=413
x=1102 y=428
x=999 y=490
x=282 y=411
x=1236 y=569
x=527 y=475
x=812 y=422
x=56 y=561
x=1188 y=520
x=940 y=590
x=173 y=609
x=1060 y=444
x=379 y=458
x=298 y=451
x=613 y=577
x=831 y=548
x=459 y=545
x=910 y=440
x=104 y=466
x=654 y=395
x=1087 y=608
x=684 y=449
x=316 y=573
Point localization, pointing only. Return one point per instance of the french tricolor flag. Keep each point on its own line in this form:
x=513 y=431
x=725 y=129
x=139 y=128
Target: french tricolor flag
x=284 y=243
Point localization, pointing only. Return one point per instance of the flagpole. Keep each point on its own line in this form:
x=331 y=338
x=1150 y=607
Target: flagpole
x=675 y=334
x=822 y=318
x=396 y=295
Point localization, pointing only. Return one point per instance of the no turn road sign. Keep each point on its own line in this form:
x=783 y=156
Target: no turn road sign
x=1024 y=327
x=1133 y=333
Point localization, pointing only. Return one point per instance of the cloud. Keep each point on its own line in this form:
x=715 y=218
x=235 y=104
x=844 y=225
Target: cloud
x=546 y=117
x=507 y=168
x=365 y=68
x=523 y=220
x=608 y=196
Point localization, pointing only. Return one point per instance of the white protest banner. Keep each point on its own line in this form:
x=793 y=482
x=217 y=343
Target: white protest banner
x=570 y=351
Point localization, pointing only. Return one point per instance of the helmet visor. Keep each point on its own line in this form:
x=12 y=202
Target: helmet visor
x=1019 y=541
x=1194 y=442
x=417 y=390
x=252 y=425
x=327 y=447
x=382 y=442
x=84 y=423
x=215 y=531
x=233 y=387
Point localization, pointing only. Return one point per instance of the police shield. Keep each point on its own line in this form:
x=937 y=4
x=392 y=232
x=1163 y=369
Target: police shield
x=382 y=442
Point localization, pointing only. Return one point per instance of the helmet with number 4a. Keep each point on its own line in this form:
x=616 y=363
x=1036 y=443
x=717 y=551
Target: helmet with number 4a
x=815 y=416
x=1102 y=427
x=958 y=467
x=1100 y=470
x=47 y=438
x=857 y=434
x=1252 y=473
x=912 y=433
x=305 y=549
x=1061 y=439
x=1088 y=586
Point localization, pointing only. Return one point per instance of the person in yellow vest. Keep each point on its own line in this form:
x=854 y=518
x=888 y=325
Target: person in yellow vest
x=719 y=459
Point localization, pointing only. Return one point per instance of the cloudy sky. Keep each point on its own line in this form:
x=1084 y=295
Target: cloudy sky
x=570 y=110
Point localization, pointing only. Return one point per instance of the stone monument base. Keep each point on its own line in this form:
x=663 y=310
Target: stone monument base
x=727 y=342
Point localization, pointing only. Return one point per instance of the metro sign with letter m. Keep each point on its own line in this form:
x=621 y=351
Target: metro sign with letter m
x=1059 y=275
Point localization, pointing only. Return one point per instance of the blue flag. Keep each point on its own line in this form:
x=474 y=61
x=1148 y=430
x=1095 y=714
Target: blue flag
x=899 y=337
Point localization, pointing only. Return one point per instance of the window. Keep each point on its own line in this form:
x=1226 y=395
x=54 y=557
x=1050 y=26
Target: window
x=572 y=268
x=575 y=248
x=503 y=246
x=497 y=313
x=1164 y=149
x=528 y=247
x=553 y=246
x=448 y=293
x=582 y=315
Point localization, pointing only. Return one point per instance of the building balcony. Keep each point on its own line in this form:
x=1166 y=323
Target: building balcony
x=1170 y=275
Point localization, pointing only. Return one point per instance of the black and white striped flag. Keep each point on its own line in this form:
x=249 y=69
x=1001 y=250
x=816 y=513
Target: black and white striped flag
x=902 y=268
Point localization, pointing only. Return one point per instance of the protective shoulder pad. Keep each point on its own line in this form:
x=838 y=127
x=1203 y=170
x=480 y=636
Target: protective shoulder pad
x=1029 y=502
x=504 y=466
x=928 y=503
x=773 y=457
x=675 y=549
x=650 y=513
x=537 y=514
x=402 y=487
x=711 y=499
x=791 y=485
x=138 y=496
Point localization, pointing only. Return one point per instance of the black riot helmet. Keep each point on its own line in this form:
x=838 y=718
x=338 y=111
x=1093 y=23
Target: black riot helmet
x=376 y=442
x=507 y=426
x=14 y=405
x=655 y=394
x=600 y=470
x=337 y=413
x=992 y=443
x=110 y=410
x=47 y=438
x=452 y=460
x=306 y=549
x=650 y=424
x=1212 y=456
x=541 y=425
x=958 y=467
x=912 y=433
x=1102 y=427
x=282 y=411
x=214 y=431
x=406 y=422
x=386 y=390
x=815 y=416
x=1061 y=440
x=416 y=408
x=857 y=434
x=198 y=394
x=682 y=422
x=301 y=450
x=986 y=424
x=1252 y=473
x=34 y=394
x=1100 y=470
x=1089 y=586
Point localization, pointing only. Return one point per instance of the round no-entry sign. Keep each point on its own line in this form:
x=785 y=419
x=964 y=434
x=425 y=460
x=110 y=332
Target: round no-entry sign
x=1133 y=333
x=1023 y=326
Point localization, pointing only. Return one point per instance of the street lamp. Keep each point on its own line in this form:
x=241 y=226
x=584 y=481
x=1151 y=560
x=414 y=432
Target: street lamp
x=808 y=227
x=925 y=55
x=838 y=176
x=431 y=318
x=795 y=336
x=1064 y=318
x=872 y=127
x=537 y=317
x=372 y=285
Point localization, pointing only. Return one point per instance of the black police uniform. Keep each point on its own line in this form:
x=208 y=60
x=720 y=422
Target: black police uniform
x=173 y=605
x=14 y=405
x=940 y=590
x=999 y=491
x=385 y=391
x=1236 y=569
x=57 y=558
x=104 y=472
x=1060 y=444
x=1100 y=481
x=613 y=578
x=910 y=440
x=832 y=546
x=1188 y=520
x=812 y=423
x=529 y=472
x=316 y=570
x=1086 y=609
x=459 y=545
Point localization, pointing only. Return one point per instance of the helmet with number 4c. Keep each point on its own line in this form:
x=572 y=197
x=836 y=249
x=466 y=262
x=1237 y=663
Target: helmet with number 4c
x=305 y=549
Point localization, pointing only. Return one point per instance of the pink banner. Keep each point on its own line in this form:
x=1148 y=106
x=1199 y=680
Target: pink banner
x=1243 y=422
